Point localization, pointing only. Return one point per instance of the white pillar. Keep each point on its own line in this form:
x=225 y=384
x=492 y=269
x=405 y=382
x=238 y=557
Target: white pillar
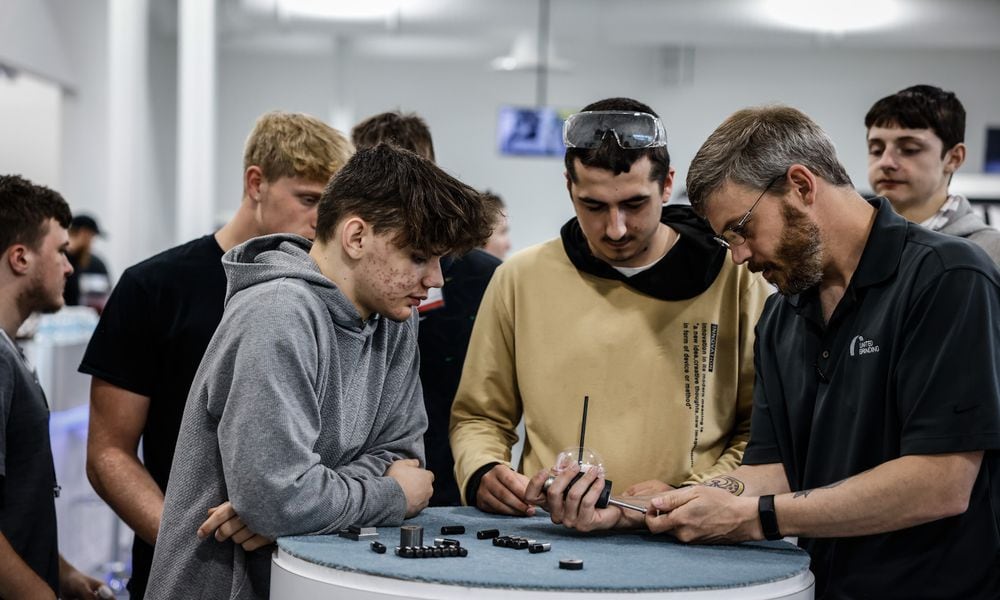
x=128 y=111
x=196 y=127
x=341 y=115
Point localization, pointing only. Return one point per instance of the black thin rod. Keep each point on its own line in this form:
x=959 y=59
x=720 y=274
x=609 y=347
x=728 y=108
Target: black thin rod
x=583 y=429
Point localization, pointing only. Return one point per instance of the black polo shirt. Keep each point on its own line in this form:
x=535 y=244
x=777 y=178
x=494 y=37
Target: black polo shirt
x=908 y=364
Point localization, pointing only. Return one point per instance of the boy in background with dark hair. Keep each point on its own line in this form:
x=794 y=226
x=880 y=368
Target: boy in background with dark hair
x=446 y=315
x=915 y=144
x=635 y=306
x=33 y=238
x=499 y=243
x=306 y=412
x=405 y=130
x=161 y=315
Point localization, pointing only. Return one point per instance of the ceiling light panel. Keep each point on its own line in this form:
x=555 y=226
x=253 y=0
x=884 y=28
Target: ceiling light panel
x=834 y=16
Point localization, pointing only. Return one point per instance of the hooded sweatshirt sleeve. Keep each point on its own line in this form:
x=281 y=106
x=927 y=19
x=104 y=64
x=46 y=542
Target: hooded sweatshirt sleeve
x=401 y=430
x=277 y=393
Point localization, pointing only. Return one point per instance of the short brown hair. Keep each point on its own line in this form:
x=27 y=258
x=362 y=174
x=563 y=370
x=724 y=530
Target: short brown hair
x=755 y=145
x=396 y=190
x=406 y=130
x=287 y=144
x=25 y=209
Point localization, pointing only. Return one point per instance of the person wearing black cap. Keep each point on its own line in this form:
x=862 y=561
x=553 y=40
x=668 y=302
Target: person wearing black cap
x=90 y=283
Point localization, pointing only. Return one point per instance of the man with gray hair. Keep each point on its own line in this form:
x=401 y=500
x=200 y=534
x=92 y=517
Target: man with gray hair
x=863 y=443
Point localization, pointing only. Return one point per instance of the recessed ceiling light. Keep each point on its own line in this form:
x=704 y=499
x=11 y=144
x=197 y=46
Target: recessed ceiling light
x=834 y=16
x=343 y=10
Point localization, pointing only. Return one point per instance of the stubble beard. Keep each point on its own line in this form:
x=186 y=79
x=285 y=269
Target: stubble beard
x=38 y=299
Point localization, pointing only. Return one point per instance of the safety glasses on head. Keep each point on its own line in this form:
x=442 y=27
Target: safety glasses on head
x=632 y=130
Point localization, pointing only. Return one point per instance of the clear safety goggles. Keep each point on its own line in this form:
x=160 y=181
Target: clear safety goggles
x=632 y=130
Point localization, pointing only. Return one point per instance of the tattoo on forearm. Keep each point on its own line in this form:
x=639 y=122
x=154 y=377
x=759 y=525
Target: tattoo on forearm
x=805 y=493
x=727 y=482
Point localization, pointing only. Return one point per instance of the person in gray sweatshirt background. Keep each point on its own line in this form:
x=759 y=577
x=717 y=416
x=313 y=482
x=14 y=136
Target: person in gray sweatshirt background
x=916 y=142
x=306 y=412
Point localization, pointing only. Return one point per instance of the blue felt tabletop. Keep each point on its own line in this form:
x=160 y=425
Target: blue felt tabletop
x=613 y=561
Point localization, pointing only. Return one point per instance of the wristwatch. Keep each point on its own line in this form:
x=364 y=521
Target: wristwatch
x=768 y=520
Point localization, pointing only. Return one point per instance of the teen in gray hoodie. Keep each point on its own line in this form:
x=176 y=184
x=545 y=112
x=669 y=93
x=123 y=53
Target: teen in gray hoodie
x=308 y=398
x=916 y=142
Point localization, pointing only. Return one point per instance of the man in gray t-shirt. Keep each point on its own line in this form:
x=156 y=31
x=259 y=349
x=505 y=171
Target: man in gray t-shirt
x=33 y=239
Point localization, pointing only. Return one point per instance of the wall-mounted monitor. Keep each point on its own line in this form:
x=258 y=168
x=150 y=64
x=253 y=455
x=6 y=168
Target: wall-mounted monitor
x=531 y=130
x=992 y=164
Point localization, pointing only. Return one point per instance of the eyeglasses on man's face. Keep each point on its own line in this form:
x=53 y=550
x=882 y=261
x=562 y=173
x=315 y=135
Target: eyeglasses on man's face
x=735 y=234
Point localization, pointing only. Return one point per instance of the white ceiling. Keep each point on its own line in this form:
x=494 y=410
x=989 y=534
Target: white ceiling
x=438 y=29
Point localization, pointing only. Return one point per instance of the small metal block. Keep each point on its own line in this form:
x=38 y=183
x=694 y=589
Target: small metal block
x=358 y=536
x=411 y=535
x=358 y=529
x=486 y=534
x=520 y=544
x=436 y=552
x=537 y=548
x=500 y=541
x=462 y=552
x=378 y=547
x=453 y=530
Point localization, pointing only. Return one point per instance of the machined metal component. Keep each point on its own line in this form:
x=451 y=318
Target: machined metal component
x=571 y=564
x=411 y=535
x=453 y=530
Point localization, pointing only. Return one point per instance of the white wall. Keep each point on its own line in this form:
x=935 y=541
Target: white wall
x=31 y=119
x=82 y=27
x=459 y=99
x=835 y=87
x=249 y=85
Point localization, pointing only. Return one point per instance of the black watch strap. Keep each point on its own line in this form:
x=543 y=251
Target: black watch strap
x=768 y=519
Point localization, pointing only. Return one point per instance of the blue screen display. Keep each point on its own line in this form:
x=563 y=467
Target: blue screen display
x=531 y=131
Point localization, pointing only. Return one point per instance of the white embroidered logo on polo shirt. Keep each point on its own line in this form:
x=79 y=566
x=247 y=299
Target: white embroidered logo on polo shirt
x=860 y=346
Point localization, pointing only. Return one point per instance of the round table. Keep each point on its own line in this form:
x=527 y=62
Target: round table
x=616 y=564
